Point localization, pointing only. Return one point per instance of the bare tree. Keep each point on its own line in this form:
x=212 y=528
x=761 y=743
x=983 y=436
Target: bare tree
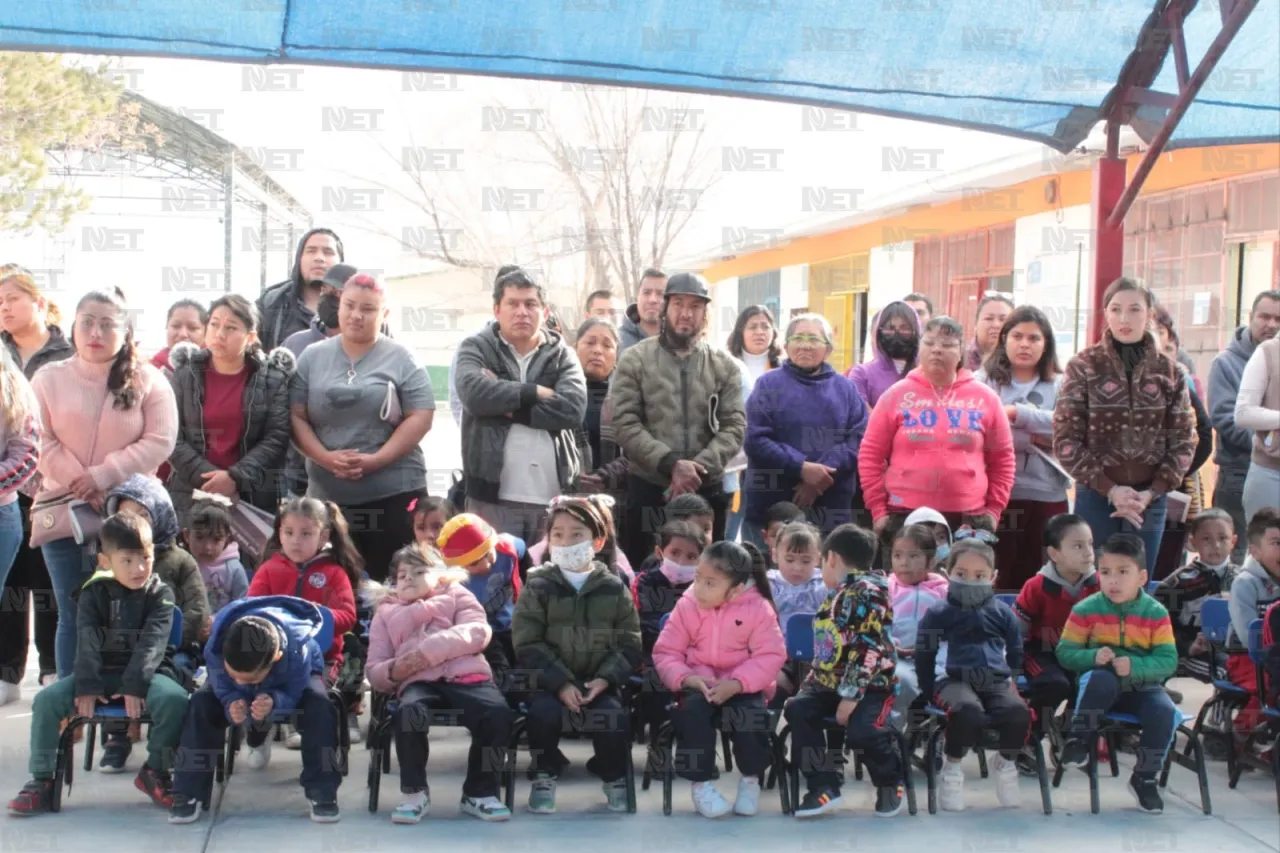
x=636 y=170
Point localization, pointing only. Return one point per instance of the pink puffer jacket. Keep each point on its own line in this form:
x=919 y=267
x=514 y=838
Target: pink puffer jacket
x=740 y=640
x=448 y=627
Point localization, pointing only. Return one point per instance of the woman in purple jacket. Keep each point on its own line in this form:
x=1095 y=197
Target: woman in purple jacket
x=896 y=344
x=804 y=424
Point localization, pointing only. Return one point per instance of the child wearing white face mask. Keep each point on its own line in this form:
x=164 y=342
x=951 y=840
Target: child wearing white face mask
x=576 y=631
x=657 y=590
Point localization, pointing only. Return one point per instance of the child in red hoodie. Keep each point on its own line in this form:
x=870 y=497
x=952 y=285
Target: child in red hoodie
x=313 y=558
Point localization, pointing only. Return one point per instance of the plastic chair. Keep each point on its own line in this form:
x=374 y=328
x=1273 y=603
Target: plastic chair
x=1215 y=624
x=234 y=733
x=382 y=729
x=1257 y=653
x=111 y=712
x=799 y=640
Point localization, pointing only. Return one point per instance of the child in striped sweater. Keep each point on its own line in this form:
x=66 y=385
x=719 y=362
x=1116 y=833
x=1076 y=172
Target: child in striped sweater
x=1121 y=640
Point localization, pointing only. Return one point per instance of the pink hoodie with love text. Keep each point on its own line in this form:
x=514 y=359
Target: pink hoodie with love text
x=952 y=451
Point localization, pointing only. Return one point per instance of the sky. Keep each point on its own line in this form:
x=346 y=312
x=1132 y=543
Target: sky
x=335 y=139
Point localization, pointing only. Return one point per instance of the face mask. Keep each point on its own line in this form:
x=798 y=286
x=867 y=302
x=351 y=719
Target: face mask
x=894 y=346
x=573 y=558
x=676 y=573
x=943 y=551
x=327 y=310
x=970 y=595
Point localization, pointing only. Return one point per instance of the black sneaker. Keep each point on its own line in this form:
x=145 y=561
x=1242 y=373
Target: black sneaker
x=1075 y=752
x=817 y=803
x=325 y=811
x=889 y=800
x=115 y=754
x=184 y=809
x=1147 y=793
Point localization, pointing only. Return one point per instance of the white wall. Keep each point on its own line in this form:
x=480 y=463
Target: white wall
x=1052 y=256
x=892 y=275
x=793 y=291
x=724 y=309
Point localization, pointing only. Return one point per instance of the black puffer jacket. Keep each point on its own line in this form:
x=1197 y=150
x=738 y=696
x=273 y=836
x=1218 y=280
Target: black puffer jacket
x=55 y=349
x=265 y=405
x=123 y=632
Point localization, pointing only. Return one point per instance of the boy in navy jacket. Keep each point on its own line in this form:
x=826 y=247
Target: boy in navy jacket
x=263 y=660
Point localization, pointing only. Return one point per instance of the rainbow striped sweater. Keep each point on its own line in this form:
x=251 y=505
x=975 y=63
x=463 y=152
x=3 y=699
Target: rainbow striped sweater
x=1139 y=630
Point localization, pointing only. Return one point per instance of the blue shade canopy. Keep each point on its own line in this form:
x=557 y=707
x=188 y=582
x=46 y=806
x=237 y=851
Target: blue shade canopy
x=1034 y=69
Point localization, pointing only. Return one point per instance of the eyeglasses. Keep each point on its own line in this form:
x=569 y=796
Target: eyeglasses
x=807 y=341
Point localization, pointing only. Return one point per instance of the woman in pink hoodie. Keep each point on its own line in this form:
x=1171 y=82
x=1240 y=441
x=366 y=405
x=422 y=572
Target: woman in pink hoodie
x=426 y=646
x=938 y=438
x=722 y=648
x=112 y=416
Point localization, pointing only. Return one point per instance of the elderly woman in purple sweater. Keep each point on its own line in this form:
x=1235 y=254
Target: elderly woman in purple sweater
x=896 y=344
x=804 y=424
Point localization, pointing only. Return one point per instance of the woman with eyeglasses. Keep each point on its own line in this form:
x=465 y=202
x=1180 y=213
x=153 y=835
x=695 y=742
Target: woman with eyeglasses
x=939 y=439
x=1023 y=369
x=106 y=416
x=1123 y=425
x=804 y=425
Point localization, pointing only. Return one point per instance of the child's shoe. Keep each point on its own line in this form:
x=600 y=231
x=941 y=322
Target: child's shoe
x=708 y=801
x=353 y=729
x=259 y=756
x=1075 y=752
x=1006 y=773
x=292 y=738
x=490 y=809
x=951 y=787
x=36 y=797
x=817 y=803
x=542 y=795
x=889 y=800
x=115 y=754
x=1147 y=793
x=156 y=784
x=747 y=803
x=184 y=809
x=412 y=808
x=615 y=795
x=325 y=811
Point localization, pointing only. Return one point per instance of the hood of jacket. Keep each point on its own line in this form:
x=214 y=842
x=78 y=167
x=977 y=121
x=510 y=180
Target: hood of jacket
x=187 y=353
x=1253 y=567
x=629 y=330
x=933 y=584
x=231 y=552
x=1241 y=344
x=149 y=492
x=295 y=275
x=1050 y=573
x=55 y=349
x=300 y=620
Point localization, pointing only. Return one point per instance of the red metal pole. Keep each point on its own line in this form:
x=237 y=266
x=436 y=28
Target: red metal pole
x=1239 y=14
x=1108 y=240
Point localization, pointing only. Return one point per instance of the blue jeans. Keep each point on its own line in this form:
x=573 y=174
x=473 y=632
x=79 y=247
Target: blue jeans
x=733 y=524
x=68 y=569
x=10 y=537
x=1096 y=510
x=1100 y=692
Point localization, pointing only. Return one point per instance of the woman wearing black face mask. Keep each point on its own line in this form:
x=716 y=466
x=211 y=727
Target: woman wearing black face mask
x=896 y=345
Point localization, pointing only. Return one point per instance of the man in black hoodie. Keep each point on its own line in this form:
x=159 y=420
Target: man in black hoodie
x=289 y=306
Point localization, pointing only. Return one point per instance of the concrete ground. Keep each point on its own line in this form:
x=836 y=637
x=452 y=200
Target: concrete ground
x=264 y=812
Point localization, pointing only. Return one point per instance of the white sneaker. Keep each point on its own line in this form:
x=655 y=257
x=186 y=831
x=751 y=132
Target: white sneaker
x=951 y=788
x=353 y=727
x=292 y=739
x=747 y=803
x=259 y=755
x=413 y=808
x=9 y=693
x=1007 y=789
x=708 y=801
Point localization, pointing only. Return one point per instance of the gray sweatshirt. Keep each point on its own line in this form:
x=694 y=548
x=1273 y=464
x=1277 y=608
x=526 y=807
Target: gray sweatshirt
x=1034 y=480
x=1251 y=592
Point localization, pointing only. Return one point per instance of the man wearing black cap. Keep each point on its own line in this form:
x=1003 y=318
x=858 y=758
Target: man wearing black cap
x=288 y=307
x=678 y=414
x=324 y=323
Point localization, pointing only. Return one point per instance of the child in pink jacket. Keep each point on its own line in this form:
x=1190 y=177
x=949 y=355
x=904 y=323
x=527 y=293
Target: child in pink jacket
x=913 y=589
x=722 y=648
x=426 y=645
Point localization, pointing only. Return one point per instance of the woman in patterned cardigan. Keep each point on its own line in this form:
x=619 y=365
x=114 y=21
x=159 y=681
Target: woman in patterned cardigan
x=1123 y=425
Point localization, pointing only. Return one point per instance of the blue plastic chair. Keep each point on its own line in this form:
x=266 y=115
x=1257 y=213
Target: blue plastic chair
x=1215 y=624
x=1257 y=654
x=799 y=643
x=324 y=639
x=110 y=712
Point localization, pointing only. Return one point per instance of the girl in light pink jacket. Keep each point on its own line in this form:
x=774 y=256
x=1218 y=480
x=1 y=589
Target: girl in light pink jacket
x=426 y=646
x=722 y=648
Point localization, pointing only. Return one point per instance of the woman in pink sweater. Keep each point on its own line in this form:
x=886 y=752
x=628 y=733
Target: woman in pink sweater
x=939 y=438
x=106 y=416
x=722 y=648
x=426 y=646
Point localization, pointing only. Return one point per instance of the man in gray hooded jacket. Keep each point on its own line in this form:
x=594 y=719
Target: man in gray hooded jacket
x=523 y=397
x=1235 y=444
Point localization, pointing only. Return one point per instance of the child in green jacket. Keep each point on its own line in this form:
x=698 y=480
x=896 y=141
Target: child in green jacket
x=1121 y=639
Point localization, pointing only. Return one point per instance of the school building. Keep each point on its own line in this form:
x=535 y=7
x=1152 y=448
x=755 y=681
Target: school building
x=1204 y=235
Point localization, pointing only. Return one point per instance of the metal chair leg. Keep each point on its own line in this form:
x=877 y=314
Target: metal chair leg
x=1094 y=805
x=517 y=730
x=931 y=767
x=1202 y=776
x=1113 y=753
x=904 y=755
x=727 y=745
x=1042 y=775
x=982 y=763
x=90 y=739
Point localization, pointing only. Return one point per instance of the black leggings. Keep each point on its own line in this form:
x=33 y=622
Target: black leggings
x=28 y=587
x=379 y=529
